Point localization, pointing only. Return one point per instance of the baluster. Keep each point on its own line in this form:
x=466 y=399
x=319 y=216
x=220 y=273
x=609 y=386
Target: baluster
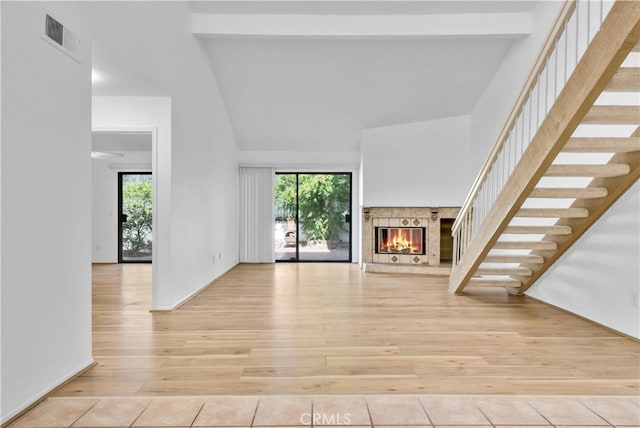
x=595 y=18
x=518 y=140
x=461 y=236
x=582 y=21
x=568 y=47
x=537 y=122
x=501 y=170
x=496 y=186
x=455 y=249
x=550 y=83
x=523 y=130
x=577 y=13
x=601 y=18
x=466 y=231
x=478 y=214
x=492 y=189
x=566 y=53
x=469 y=229
x=483 y=204
x=530 y=119
x=504 y=174
x=555 y=73
x=511 y=150
x=462 y=247
x=475 y=207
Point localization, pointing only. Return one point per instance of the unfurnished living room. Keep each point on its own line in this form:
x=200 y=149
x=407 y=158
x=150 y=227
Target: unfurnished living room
x=371 y=213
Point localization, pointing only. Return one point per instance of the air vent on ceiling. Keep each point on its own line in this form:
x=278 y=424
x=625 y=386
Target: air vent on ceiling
x=61 y=37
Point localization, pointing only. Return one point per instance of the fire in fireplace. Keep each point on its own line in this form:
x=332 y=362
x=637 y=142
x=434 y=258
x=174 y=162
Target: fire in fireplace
x=400 y=240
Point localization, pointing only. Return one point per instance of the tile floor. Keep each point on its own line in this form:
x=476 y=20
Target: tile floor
x=377 y=411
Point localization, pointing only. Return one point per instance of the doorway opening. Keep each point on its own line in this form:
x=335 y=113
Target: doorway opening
x=135 y=217
x=446 y=240
x=313 y=217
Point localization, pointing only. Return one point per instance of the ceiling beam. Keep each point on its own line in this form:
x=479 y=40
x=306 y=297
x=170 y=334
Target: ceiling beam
x=509 y=25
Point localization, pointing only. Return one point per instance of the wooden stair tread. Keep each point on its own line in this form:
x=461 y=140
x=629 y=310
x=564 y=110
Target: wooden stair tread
x=612 y=115
x=519 y=271
x=602 y=145
x=525 y=245
x=569 y=192
x=626 y=79
x=553 y=212
x=508 y=258
x=538 y=230
x=599 y=66
x=482 y=282
x=601 y=171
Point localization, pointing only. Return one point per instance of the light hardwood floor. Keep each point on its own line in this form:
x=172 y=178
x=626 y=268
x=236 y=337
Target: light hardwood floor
x=329 y=328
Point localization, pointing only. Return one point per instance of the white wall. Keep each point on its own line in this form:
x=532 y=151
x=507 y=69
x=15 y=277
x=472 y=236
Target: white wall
x=497 y=100
x=599 y=276
x=46 y=176
x=417 y=164
x=203 y=157
x=46 y=205
x=104 y=217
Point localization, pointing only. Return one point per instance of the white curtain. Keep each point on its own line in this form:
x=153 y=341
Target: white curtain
x=256 y=215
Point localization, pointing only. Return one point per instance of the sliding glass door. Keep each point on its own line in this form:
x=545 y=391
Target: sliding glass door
x=135 y=217
x=313 y=217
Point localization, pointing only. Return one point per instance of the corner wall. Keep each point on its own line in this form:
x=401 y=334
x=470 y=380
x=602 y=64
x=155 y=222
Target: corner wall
x=46 y=205
x=203 y=162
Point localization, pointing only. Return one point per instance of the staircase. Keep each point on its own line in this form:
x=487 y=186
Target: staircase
x=568 y=151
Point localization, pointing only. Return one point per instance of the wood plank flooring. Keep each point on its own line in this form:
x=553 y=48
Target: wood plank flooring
x=329 y=328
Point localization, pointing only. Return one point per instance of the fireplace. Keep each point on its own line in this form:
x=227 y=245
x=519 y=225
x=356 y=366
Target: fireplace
x=400 y=240
x=406 y=240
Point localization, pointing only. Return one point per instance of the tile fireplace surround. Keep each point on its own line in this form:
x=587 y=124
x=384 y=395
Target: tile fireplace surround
x=429 y=218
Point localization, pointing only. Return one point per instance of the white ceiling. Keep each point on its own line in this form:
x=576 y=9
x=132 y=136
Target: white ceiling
x=311 y=75
x=310 y=92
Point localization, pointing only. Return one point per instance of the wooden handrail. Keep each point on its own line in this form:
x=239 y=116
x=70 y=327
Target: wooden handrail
x=618 y=34
x=559 y=25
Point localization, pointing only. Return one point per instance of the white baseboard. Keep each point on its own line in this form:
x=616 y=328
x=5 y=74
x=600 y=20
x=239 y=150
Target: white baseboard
x=192 y=295
x=15 y=413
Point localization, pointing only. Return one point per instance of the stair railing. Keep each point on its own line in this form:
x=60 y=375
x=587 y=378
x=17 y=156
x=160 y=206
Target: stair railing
x=574 y=29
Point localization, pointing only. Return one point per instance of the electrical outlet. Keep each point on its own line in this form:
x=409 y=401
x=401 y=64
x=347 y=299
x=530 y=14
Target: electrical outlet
x=219 y=256
x=97 y=247
x=634 y=300
x=213 y=258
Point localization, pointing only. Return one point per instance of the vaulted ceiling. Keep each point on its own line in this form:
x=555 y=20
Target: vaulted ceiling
x=311 y=75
